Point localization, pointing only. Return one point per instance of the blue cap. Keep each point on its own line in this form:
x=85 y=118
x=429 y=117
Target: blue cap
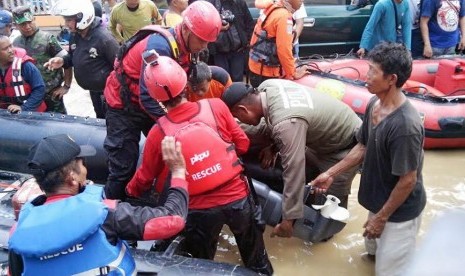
x=5 y=18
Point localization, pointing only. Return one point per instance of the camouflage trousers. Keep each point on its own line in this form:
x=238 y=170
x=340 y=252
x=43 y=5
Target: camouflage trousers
x=54 y=105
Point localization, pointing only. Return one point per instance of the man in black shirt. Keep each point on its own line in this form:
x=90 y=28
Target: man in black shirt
x=92 y=50
x=390 y=145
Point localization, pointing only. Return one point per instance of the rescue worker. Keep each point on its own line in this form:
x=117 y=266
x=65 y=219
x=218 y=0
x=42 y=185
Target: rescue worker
x=211 y=139
x=21 y=85
x=92 y=50
x=130 y=109
x=42 y=46
x=307 y=127
x=206 y=82
x=271 y=44
x=92 y=244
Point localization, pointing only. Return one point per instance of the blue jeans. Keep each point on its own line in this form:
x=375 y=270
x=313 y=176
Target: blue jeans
x=417 y=43
x=443 y=51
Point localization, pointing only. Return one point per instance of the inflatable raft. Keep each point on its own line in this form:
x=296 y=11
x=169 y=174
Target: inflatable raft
x=18 y=132
x=436 y=88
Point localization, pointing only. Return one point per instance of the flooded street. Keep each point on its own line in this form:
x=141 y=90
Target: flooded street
x=444 y=179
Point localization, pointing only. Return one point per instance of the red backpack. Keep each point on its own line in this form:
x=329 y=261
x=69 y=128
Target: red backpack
x=210 y=160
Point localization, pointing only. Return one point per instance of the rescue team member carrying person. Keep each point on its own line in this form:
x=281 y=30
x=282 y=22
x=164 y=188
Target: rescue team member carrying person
x=21 y=85
x=93 y=243
x=126 y=117
x=218 y=193
x=271 y=44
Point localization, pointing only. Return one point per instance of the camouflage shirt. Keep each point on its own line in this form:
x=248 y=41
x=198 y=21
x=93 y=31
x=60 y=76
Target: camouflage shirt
x=42 y=46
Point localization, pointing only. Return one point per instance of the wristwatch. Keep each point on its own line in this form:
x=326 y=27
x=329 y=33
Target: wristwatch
x=67 y=86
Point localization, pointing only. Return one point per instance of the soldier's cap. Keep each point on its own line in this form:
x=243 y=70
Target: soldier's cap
x=22 y=14
x=53 y=152
x=236 y=92
x=5 y=18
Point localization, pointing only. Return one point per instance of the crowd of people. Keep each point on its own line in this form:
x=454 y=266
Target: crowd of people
x=428 y=28
x=199 y=121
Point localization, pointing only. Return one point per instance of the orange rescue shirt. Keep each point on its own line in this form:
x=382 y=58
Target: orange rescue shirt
x=279 y=25
x=220 y=81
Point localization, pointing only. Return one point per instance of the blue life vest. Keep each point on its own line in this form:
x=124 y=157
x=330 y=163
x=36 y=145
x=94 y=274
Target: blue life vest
x=64 y=238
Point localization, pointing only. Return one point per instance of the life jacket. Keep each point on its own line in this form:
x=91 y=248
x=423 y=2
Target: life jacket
x=13 y=89
x=123 y=78
x=65 y=237
x=210 y=160
x=265 y=50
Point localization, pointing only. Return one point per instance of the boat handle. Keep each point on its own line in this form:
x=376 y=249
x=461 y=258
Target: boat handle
x=309 y=22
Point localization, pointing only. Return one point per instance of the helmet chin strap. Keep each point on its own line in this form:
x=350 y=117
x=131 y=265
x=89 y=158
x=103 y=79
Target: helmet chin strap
x=186 y=44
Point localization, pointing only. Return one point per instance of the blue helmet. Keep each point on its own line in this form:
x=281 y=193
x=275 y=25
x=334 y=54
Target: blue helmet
x=5 y=18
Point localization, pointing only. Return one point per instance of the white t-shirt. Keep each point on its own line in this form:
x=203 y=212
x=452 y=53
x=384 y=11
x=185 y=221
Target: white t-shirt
x=299 y=14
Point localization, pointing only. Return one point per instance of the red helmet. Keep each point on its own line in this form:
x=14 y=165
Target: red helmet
x=202 y=18
x=164 y=78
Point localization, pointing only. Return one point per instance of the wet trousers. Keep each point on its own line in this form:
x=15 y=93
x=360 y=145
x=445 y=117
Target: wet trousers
x=122 y=146
x=203 y=228
x=54 y=105
x=395 y=248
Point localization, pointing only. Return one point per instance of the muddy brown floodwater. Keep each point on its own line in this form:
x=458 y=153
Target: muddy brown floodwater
x=444 y=179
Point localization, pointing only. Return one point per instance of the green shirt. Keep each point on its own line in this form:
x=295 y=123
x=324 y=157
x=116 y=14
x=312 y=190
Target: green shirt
x=132 y=21
x=42 y=46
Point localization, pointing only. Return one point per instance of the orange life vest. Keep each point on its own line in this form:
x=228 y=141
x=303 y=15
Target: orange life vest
x=13 y=88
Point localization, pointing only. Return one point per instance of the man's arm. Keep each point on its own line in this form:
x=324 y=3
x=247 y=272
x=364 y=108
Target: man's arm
x=375 y=225
x=68 y=77
x=427 y=49
x=33 y=77
x=151 y=167
x=146 y=223
x=353 y=158
x=290 y=136
x=368 y=31
x=407 y=27
x=462 y=33
x=299 y=26
x=156 y=16
x=284 y=44
x=114 y=27
x=59 y=92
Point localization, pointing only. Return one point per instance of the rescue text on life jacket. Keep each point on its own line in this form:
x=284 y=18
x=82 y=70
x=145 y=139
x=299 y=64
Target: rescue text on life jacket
x=210 y=160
